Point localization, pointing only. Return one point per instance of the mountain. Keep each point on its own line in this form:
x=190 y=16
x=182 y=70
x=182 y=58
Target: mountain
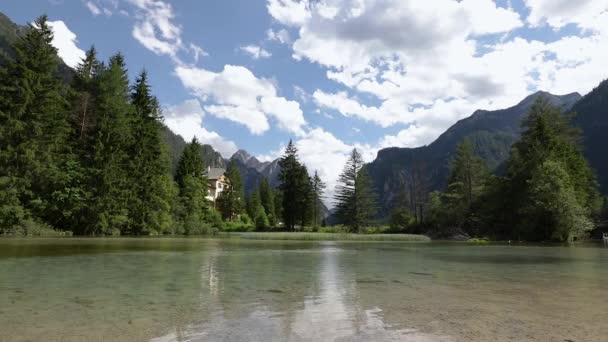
x=10 y=32
x=491 y=132
x=592 y=117
x=176 y=146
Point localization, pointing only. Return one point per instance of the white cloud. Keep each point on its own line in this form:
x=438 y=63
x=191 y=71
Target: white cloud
x=186 y=119
x=155 y=29
x=322 y=151
x=281 y=36
x=93 y=8
x=237 y=94
x=256 y=52
x=423 y=62
x=289 y=12
x=65 y=41
x=588 y=14
x=197 y=51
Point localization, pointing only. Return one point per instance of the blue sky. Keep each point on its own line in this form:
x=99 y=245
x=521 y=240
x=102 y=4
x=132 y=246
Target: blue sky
x=334 y=74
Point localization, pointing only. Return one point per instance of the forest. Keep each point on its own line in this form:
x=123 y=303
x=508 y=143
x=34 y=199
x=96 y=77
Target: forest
x=88 y=158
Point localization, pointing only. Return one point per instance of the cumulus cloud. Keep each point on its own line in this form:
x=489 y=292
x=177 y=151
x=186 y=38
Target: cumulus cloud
x=238 y=95
x=427 y=64
x=255 y=51
x=588 y=14
x=186 y=119
x=65 y=42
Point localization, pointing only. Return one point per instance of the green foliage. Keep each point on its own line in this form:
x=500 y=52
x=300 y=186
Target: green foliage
x=151 y=186
x=261 y=219
x=267 y=201
x=191 y=163
x=33 y=124
x=355 y=198
x=230 y=201
x=295 y=189
x=318 y=193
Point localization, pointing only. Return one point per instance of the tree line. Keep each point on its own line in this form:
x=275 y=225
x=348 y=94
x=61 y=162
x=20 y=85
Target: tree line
x=89 y=157
x=545 y=191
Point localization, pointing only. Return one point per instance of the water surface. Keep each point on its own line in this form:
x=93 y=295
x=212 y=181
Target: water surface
x=234 y=290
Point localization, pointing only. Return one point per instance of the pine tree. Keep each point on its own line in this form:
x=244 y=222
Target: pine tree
x=110 y=160
x=318 y=189
x=230 y=201
x=355 y=198
x=267 y=200
x=33 y=126
x=151 y=184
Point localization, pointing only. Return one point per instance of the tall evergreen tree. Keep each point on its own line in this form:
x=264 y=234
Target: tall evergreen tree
x=33 y=125
x=466 y=183
x=254 y=202
x=318 y=191
x=355 y=198
x=306 y=198
x=151 y=184
x=230 y=201
x=81 y=96
x=192 y=181
x=191 y=163
x=110 y=160
x=267 y=200
x=291 y=186
x=546 y=171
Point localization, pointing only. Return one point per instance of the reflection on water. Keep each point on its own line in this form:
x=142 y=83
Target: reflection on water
x=231 y=290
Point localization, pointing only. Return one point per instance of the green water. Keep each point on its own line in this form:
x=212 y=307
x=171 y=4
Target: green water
x=233 y=290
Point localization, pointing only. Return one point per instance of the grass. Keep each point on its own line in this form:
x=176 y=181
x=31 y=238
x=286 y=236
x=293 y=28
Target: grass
x=334 y=237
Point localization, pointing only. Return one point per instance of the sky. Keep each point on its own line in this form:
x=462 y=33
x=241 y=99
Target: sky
x=334 y=75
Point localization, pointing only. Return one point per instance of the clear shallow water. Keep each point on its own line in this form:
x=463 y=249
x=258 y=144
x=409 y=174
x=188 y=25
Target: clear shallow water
x=233 y=290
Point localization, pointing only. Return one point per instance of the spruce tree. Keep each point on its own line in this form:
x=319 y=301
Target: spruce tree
x=151 y=184
x=253 y=203
x=267 y=200
x=191 y=163
x=192 y=181
x=355 y=198
x=318 y=189
x=230 y=201
x=33 y=126
x=110 y=159
x=290 y=186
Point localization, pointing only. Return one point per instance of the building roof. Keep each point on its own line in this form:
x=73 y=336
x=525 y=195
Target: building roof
x=215 y=173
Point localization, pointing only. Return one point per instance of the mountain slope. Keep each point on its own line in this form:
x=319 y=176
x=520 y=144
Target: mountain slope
x=176 y=146
x=10 y=32
x=491 y=132
x=592 y=117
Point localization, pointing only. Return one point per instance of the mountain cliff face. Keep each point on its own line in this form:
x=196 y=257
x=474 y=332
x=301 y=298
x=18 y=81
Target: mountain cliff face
x=492 y=134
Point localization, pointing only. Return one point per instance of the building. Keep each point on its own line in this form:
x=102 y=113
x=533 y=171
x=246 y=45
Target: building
x=216 y=182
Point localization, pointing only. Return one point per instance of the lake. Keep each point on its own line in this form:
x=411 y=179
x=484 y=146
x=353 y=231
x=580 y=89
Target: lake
x=195 y=289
